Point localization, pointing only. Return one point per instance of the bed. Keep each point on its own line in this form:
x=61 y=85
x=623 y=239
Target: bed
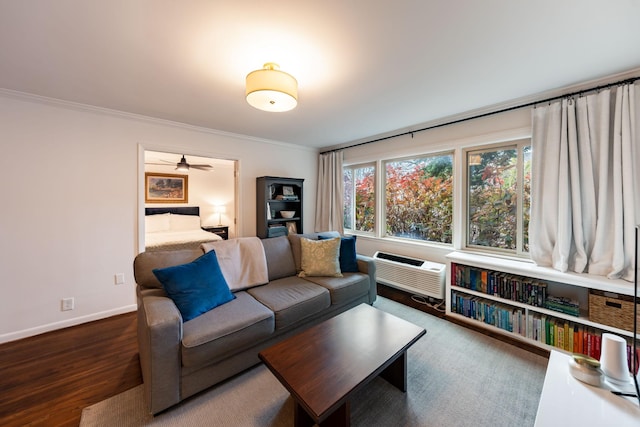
x=175 y=228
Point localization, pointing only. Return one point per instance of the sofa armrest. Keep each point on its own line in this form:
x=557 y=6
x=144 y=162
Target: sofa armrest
x=367 y=265
x=159 y=343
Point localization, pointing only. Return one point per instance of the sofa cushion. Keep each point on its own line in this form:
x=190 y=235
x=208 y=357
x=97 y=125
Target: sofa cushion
x=196 y=287
x=292 y=299
x=344 y=289
x=294 y=240
x=145 y=262
x=320 y=257
x=348 y=263
x=280 y=261
x=225 y=330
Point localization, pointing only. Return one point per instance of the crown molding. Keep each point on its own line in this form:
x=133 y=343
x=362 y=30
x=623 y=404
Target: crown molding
x=77 y=106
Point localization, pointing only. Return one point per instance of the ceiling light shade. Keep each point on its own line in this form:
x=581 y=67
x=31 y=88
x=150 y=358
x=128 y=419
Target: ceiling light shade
x=272 y=90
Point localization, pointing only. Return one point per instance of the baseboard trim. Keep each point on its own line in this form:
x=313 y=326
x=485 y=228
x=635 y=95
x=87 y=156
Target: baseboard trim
x=26 y=333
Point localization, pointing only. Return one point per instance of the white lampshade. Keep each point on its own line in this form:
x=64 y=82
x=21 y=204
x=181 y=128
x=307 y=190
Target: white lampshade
x=475 y=159
x=272 y=90
x=219 y=209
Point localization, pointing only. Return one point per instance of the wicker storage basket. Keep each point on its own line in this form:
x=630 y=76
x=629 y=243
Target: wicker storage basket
x=611 y=309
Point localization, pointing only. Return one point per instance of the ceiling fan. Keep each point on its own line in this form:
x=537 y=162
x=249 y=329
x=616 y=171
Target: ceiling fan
x=183 y=166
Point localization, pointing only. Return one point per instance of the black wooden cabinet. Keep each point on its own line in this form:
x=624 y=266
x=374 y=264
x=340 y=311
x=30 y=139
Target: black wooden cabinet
x=273 y=196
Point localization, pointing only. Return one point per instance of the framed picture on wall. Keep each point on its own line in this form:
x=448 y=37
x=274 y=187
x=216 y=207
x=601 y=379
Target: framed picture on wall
x=287 y=190
x=166 y=188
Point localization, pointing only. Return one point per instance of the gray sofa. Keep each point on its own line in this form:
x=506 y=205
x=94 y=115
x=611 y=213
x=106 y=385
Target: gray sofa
x=179 y=359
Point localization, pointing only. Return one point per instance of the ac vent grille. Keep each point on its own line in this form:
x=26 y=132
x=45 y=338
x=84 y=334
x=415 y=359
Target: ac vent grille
x=410 y=274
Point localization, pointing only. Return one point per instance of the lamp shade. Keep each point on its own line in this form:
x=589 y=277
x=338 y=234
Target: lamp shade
x=475 y=160
x=272 y=90
x=219 y=209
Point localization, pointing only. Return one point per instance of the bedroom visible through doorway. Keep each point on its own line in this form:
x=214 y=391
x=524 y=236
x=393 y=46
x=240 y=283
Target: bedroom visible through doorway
x=180 y=180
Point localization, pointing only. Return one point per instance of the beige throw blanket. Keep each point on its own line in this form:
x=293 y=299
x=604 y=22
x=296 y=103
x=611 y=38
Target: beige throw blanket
x=241 y=260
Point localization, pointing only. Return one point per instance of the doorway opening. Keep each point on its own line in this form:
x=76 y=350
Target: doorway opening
x=205 y=182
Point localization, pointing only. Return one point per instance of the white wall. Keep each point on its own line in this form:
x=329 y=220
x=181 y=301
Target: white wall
x=71 y=199
x=491 y=129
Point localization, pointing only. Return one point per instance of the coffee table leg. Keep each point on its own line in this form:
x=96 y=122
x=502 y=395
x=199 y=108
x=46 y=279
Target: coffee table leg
x=341 y=417
x=396 y=373
x=301 y=418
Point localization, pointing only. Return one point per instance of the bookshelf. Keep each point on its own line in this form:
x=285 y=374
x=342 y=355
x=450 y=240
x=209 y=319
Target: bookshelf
x=515 y=298
x=273 y=195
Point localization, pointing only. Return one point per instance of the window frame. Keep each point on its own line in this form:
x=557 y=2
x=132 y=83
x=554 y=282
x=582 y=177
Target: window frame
x=519 y=145
x=353 y=167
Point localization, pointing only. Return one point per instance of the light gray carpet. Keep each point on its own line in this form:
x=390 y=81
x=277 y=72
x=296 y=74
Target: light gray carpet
x=456 y=377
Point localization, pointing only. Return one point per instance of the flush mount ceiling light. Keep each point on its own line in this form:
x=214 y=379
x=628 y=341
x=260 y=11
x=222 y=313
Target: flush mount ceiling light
x=272 y=90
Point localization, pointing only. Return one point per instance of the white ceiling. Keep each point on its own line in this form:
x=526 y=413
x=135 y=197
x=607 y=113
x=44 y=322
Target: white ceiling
x=364 y=67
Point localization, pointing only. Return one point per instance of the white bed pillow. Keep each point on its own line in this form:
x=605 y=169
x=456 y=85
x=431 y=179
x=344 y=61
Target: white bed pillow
x=156 y=223
x=184 y=222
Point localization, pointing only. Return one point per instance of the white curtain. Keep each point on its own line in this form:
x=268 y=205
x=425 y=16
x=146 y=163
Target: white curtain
x=330 y=194
x=585 y=199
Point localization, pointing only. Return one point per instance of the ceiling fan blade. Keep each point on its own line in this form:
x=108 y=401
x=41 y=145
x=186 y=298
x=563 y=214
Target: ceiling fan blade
x=200 y=166
x=160 y=164
x=205 y=168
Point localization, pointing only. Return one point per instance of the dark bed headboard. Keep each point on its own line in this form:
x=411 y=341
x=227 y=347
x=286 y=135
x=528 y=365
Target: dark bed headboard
x=178 y=210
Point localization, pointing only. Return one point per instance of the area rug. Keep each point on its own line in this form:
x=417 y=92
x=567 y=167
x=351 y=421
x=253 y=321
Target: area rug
x=456 y=377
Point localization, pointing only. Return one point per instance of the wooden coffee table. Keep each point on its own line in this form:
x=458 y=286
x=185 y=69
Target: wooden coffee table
x=323 y=366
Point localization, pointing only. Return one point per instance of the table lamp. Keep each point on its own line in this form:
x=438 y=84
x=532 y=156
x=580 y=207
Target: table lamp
x=219 y=209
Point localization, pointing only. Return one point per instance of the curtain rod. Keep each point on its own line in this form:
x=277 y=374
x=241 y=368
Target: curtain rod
x=490 y=113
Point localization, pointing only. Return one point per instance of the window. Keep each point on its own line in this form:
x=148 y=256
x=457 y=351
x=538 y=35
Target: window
x=497 y=179
x=419 y=198
x=359 y=197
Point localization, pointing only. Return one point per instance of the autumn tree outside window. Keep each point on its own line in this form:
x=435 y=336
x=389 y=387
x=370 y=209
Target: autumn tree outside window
x=359 y=197
x=498 y=197
x=419 y=198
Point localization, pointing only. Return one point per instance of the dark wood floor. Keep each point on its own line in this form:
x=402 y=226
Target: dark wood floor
x=48 y=379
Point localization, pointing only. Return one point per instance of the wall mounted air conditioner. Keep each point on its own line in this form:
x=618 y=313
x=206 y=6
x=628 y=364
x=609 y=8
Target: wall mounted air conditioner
x=410 y=274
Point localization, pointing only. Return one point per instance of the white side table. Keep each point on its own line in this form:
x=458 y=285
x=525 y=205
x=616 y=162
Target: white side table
x=567 y=402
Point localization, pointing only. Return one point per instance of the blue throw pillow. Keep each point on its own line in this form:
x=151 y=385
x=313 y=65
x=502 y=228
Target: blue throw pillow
x=348 y=263
x=196 y=287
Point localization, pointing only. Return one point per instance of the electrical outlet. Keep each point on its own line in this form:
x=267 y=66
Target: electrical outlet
x=67 y=304
x=119 y=278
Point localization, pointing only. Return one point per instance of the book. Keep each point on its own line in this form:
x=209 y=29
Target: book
x=483 y=281
x=559 y=332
